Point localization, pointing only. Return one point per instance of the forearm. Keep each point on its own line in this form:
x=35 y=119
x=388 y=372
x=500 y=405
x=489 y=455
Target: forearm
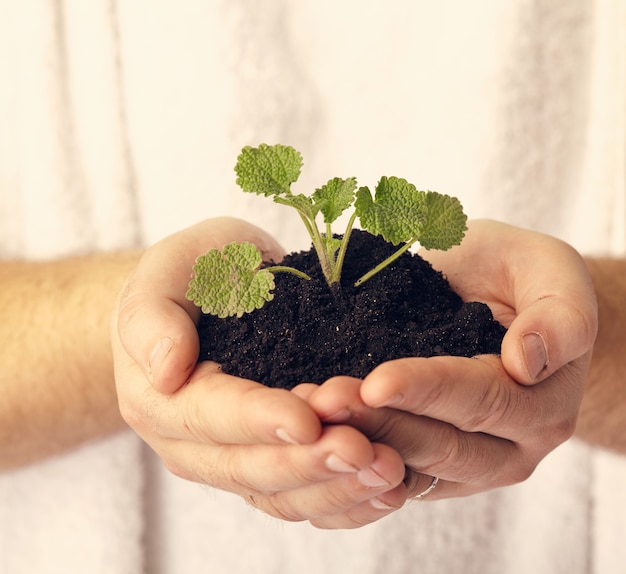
x=602 y=419
x=56 y=375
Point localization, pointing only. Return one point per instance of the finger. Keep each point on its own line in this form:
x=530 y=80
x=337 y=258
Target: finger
x=474 y=395
x=365 y=512
x=337 y=400
x=269 y=469
x=160 y=335
x=556 y=319
x=216 y=408
x=338 y=495
x=156 y=321
x=543 y=293
x=428 y=446
x=304 y=390
x=548 y=334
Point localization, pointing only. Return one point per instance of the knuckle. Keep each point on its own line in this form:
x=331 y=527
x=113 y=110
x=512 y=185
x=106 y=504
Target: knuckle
x=300 y=475
x=433 y=393
x=221 y=470
x=456 y=456
x=495 y=405
x=586 y=316
x=275 y=507
x=130 y=306
x=559 y=432
x=514 y=473
x=341 y=499
x=520 y=474
x=228 y=471
x=190 y=414
x=355 y=518
x=564 y=430
x=386 y=430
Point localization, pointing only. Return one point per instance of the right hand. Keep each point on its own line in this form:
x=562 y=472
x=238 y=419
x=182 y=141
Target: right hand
x=484 y=422
x=266 y=445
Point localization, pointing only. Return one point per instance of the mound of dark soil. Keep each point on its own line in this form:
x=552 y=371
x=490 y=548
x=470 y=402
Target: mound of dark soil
x=309 y=334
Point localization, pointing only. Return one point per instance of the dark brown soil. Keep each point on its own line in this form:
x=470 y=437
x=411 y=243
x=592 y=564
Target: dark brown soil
x=309 y=334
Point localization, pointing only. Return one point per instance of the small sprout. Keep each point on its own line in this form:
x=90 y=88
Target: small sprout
x=232 y=281
x=270 y=171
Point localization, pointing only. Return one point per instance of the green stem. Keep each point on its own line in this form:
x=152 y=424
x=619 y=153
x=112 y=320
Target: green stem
x=286 y=269
x=384 y=263
x=342 y=250
x=320 y=248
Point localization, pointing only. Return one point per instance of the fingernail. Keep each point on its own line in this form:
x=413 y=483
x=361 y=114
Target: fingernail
x=370 y=478
x=535 y=354
x=283 y=435
x=380 y=505
x=160 y=351
x=337 y=464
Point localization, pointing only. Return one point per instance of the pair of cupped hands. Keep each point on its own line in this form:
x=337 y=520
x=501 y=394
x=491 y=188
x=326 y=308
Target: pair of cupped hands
x=348 y=452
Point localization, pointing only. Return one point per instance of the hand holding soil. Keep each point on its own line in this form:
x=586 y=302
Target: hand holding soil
x=221 y=430
x=490 y=420
x=264 y=444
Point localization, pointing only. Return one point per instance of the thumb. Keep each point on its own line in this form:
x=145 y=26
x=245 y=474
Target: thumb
x=156 y=323
x=552 y=328
x=160 y=337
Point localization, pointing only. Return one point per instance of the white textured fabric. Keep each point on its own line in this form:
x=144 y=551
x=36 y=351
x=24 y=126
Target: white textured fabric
x=120 y=123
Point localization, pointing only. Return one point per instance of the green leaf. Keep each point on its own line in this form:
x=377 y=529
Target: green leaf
x=268 y=170
x=397 y=212
x=229 y=282
x=332 y=245
x=303 y=203
x=445 y=224
x=335 y=197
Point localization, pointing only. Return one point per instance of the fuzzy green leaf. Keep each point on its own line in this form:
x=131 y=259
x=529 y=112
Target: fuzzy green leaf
x=303 y=203
x=332 y=245
x=229 y=282
x=335 y=197
x=446 y=223
x=397 y=212
x=268 y=170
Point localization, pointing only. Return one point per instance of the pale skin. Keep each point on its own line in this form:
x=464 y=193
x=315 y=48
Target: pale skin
x=489 y=423
x=197 y=418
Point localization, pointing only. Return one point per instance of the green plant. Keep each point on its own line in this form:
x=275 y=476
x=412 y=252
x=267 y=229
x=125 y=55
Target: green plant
x=232 y=282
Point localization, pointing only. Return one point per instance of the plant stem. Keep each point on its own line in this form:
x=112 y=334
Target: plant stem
x=386 y=262
x=286 y=269
x=336 y=278
x=320 y=248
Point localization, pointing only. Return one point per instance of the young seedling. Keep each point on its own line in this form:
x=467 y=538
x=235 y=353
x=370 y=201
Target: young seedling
x=231 y=281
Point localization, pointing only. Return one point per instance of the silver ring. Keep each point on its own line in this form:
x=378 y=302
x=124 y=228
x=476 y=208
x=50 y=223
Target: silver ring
x=431 y=487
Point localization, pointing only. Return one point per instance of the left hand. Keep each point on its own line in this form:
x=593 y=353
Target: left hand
x=484 y=422
x=263 y=444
